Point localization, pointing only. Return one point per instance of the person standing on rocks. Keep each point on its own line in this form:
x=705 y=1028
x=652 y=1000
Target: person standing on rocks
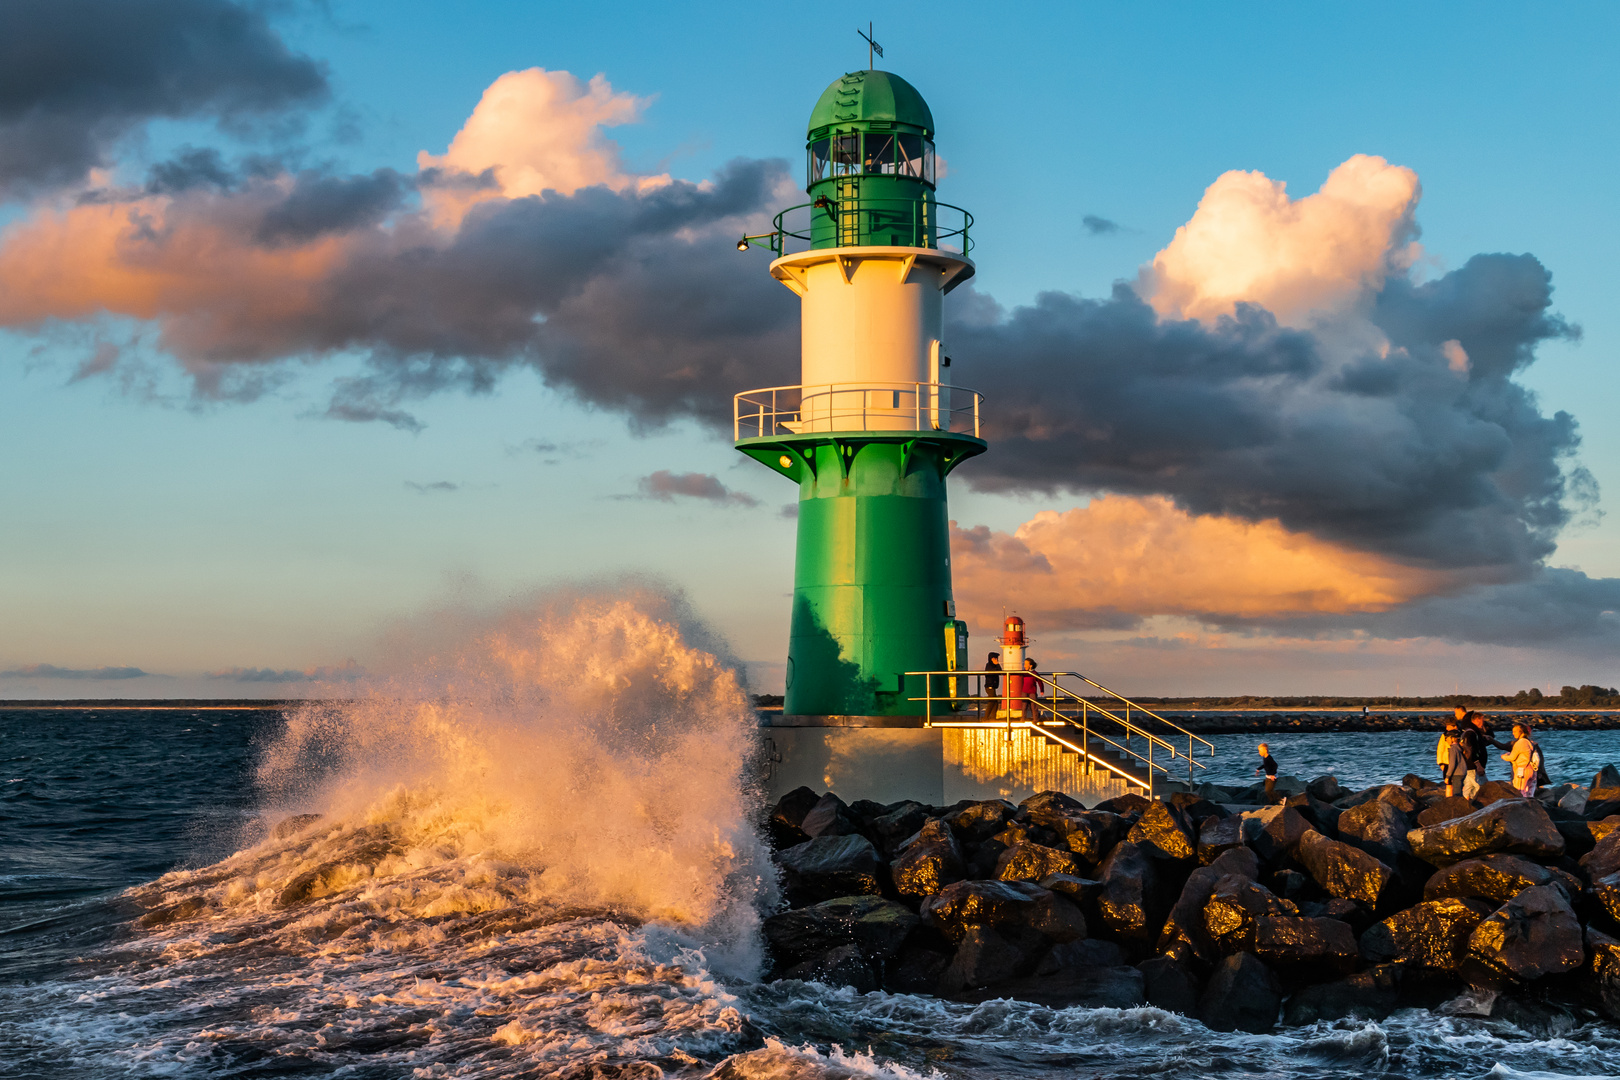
x=1475 y=738
x=1269 y=764
x=1449 y=756
x=992 y=684
x=1525 y=757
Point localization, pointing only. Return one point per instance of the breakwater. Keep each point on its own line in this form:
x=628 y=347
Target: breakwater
x=1260 y=722
x=1326 y=905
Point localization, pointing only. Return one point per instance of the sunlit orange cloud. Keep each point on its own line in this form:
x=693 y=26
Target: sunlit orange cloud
x=191 y=260
x=1298 y=258
x=1143 y=556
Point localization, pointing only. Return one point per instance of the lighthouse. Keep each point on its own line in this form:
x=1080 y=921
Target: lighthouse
x=874 y=427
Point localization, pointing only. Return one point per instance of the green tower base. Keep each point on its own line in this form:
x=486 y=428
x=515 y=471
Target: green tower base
x=872 y=581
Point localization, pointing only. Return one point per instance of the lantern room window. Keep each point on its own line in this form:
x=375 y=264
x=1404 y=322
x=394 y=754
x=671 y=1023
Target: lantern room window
x=880 y=154
x=846 y=154
x=818 y=160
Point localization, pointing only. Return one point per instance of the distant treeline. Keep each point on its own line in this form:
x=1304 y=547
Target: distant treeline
x=1589 y=696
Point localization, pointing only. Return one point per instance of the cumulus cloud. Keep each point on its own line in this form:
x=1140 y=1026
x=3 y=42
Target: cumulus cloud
x=666 y=486
x=348 y=671
x=78 y=75
x=51 y=671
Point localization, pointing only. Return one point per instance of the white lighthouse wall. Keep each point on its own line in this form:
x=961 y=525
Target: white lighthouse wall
x=874 y=327
x=936 y=766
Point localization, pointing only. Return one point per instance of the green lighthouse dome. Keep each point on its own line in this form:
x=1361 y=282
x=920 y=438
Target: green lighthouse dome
x=871 y=95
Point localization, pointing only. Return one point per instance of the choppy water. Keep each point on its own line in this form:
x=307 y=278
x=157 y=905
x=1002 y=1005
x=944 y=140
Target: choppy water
x=528 y=866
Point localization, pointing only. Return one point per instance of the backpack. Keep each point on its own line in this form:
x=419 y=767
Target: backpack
x=1540 y=763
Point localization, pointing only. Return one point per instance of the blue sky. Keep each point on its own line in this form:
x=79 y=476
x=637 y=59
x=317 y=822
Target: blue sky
x=145 y=527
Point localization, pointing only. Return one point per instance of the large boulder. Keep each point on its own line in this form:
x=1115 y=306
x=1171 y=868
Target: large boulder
x=929 y=862
x=843 y=966
x=1053 y=915
x=829 y=817
x=1031 y=862
x=829 y=866
x=1233 y=907
x=1323 y=816
x=893 y=827
x=1050 y=809
x=979 y=821
x=1367 y=995
x=1533 y=935
x=1495 y=791
x=1130 y=904
x=1168 y=985
x=1377 y=827
x=1093 y=834
x=964 y=904
x=1496 y=877
x=877 y=927
x=918 y=969
x=1605 y=894
x=1084 y=953
x=1184 y=937
x=1304 y=950
x=1394 y=794
x=788 y=814
x=1128 y=803
x=1080 y=890
x=993 y=954
x=1274 y=832
x=1604 y=969
x=1326 y=788
x=1242 y=995
x=1196 y=808
x=1433 y=935
x=1345 y=871
x=1606 y=777
x=1355 y=915
x=1443 y=810
x=1515 y=826
x=1604 y=859
x=1217 y=835
x=1163 y=832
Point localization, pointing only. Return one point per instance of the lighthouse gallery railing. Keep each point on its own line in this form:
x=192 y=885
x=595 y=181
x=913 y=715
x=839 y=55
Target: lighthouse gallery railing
x=867 y=406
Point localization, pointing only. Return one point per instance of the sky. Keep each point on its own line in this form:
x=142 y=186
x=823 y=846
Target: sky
x=1293 y=321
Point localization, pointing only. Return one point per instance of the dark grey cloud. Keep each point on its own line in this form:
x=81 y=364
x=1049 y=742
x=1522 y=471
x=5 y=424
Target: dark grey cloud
x=665 y=486
x=77 y=75
x=435 y=486
x=345 y=672
x=1397 y=454
x=1099 y=226
x=51 y=671
x=321 y=203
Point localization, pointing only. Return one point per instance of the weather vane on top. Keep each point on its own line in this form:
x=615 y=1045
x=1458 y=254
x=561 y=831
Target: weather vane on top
x=871 y=46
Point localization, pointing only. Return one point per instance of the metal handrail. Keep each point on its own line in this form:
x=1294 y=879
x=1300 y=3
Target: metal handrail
x=925 y=231
x=830 y=407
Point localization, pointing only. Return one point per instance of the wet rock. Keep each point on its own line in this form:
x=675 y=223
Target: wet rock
x=993 y=954
x=1368 y=995
x=917 y=970
x=1533 y=935
x=1603 y=969
x=1354 y=915
x=1496 y=877
x=827 y=867
x=1057 y=917
x=963 y=904
x=1129 y=803
x=1326 y=788
x=1050 y=809
x=1433 y=934
x=1242 y=995
x=1514 y=826
x=1578 y=838
x=898 y=823
x=1079 y=890
x=1032 y=862
x=293 y=826
x=1130 y=903
x=1345 y=871
x=1606 y=777
x=1089 y=987
x=1443 y=810
x=979 y=821
x=1603 y=828
x=1164 y=833
x=1302 y=949
x=928 y=863
x=1217 y=835
x=829 y=817
x=1196 y=809
x=1168 y=985
x=1233 y=906
x=1322 y=816
x=1085 y=953
x=1604 y=859
x=788 y=814
x=1184 y=936
x=1605 y=894
x=843 y=966
x=1378 y=828
x=1288 y=884
x=877 y=927
x=1092 y=835
x=1274 y=831
x=1573 y=801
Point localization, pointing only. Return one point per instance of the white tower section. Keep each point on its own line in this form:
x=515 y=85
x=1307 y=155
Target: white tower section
x=873 y=358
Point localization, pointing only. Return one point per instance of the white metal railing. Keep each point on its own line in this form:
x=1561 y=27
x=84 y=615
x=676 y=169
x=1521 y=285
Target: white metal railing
x=868 y=406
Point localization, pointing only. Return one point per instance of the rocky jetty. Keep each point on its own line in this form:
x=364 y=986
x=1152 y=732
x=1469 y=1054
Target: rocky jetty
x=1325 y=905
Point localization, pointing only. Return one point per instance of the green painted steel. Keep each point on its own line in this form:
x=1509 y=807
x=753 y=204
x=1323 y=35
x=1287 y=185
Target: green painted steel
x=871 y=95
x=872 y=577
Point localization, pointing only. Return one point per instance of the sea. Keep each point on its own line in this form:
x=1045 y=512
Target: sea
x=535 y=855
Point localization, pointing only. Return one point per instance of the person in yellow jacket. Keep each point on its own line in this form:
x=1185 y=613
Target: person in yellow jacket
x=1448 y=755
x=1525 y=757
